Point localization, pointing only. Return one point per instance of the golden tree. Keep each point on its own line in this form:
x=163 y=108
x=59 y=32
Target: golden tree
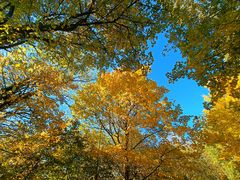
x=143 y=132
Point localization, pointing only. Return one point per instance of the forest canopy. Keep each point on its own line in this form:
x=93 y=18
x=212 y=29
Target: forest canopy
x=76 y=101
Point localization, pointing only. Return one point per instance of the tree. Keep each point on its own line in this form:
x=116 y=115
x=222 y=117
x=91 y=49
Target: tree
x=31 y=122
x=221 y=130
x=31 y=92
x=143 y=132
x=84 y=33
x=59 y=155
x=207 y=33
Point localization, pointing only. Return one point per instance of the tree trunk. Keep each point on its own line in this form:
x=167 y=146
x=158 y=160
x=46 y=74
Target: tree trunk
x=127 y=167
x=127 y=172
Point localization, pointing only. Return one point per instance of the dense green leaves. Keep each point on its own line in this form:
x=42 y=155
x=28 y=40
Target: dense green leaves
x=87 y=33
x=207 y=33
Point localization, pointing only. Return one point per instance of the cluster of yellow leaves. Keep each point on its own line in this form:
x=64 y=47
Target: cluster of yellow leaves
x=27 y=150
x=223 y=126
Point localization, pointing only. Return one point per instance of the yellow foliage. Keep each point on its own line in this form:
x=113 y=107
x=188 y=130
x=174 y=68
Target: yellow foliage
x=131 y=113
x=222 y=126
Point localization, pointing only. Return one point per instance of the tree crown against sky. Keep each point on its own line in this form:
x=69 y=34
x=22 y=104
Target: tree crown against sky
x=136 y=126
x=83 y=33
x=207 y=33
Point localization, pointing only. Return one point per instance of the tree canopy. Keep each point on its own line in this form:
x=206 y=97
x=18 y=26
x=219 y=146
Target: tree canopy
x=83 y=33
x=143 y=132
x=76 y=101
x=207 y=33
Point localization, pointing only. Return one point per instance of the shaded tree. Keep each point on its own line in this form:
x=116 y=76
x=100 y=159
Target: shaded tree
x=207 y=33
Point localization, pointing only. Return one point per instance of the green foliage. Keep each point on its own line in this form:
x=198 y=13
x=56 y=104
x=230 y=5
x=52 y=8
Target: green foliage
x=225 y=168
x=85 y=33
x=207 y=33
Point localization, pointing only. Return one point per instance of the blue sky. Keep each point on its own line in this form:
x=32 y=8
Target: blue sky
x=185 y=92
